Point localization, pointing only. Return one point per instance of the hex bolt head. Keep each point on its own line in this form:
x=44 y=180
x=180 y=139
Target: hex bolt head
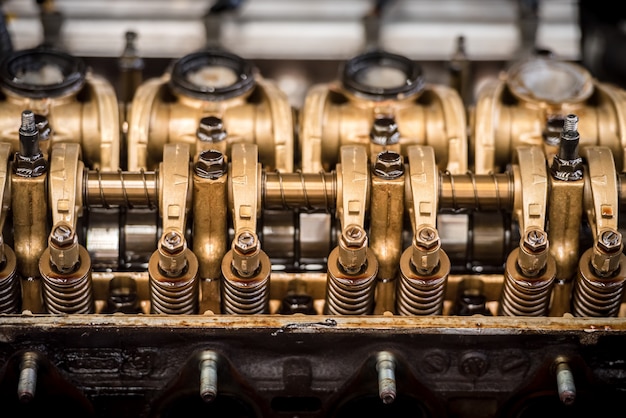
x=352 y=254
x=172 y=242
x=426 y=247
x=210 y=165
x=536 y=240
x=62 y=236
x=211 y=129
x=246 y=253
x=427 y=237
x=610 y=241
x=388 y=165
x=384 y=131
x=607 y=252
x=246 y=242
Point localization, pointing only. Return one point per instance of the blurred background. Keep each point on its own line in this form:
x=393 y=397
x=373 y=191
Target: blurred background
x=300 y=42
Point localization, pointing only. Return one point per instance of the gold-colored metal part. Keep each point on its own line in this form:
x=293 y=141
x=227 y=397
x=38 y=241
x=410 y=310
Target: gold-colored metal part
x=531 y=188
x=594 y=295
x=244 y=193
x=154 y=122
x=385 y=237
x=121 y=189
x=8 y=266
x=29 y=207
x=210 y=236
x=601 y=271
x=350 y=294
x=530 y=270
x=601 y=200
x=418 y=293
x=67 y=292
x=353 y=178
x=352 y=266
x=422 y=186
x=174 y=186
x=93 y=123
x=173 y=268
x=65 y=193
x=246 y=267
x=499 y=124
x=424 y=266
x=332 y=117
x=65 y=266
x=308 y=191
x=524 y=296
x=565 y=210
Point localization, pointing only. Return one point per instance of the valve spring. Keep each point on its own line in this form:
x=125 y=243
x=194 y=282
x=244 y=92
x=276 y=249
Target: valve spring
x=597 y=298
x=63 y=296
x=246 y=296
x=173 y=297
x=10 y=295
x=420 y=297
x=350 y=296
x=524 y=297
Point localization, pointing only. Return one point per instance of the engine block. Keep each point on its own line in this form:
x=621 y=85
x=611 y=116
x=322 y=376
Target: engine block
x=194 y=244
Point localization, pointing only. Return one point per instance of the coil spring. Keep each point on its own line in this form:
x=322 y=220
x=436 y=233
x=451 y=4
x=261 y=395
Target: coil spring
x=420 y=297
x=525 y=298
x=596 y=298
x=10 y=295
x=246 y=296
x=173 y=297
x=68 y=296
x=349 y=297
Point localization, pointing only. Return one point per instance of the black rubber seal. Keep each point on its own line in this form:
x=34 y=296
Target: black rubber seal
x=244 y=69
x=72 y=68
x=414 y=78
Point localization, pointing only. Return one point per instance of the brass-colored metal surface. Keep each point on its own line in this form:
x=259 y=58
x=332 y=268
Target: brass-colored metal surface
x=332 y=117
x=92 y=123
x=155 y=121
x=174 y=295
x=385 y=235
x=210 y=236
x=29 y=207
x=67 y=293
x=174 y=185
x=246 y=295
x=482 y=192
x=601 y=199
x=350 y=294
x=308 y=191
x=523 y=295
x=595 y=296
x=353 y=178
x=421 y=294
x=531 y=197
x=500 y=124
x=565 y=209
x=130 y=189
x=244 y=193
